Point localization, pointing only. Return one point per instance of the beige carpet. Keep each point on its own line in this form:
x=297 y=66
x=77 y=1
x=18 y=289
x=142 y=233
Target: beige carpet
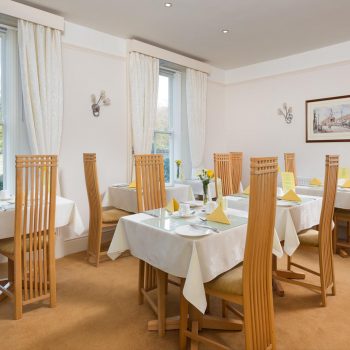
x=97 y=309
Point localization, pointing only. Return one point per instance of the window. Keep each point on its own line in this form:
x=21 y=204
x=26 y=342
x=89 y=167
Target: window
x=163 y=142
x=2 y=142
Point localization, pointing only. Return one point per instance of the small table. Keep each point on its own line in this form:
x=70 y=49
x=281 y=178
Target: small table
x=195 y=259
x=123 y=197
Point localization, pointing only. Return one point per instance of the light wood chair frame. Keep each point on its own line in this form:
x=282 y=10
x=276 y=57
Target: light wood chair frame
x=223 y=171
x=236 y=167
x=325 y=244
x=96 y=226
x=289 y=165
x=31 y=267
x=150 y=189
x=257 y=299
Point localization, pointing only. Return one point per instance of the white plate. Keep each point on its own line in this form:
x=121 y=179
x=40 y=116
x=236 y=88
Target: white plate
x=189 y=231
x=283 y=203
x=195 y=204
x=5 y=199
x=122 y=184
x=177 y=214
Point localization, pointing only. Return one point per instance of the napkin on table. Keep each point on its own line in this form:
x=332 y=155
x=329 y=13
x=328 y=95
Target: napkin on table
x=218 y=215
x=247 y=190
x=291 y=196
x=346 y=184
x=315 y=182
x=132 y=184
x=173 y=205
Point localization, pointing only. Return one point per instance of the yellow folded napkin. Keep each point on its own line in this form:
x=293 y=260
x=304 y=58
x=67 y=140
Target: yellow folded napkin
x=247 y=190
x=291 y=196
x=218 y=215
x=346 y=184
x=173 y=205
x=132 y=184
x=315 y=182
x=343 y=173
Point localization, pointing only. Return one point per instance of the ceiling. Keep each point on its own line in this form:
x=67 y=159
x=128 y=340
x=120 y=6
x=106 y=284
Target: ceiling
x=260 y=30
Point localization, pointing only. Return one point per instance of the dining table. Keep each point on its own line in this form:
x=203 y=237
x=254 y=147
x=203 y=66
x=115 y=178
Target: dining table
x=67 y=215
x=342 y=199
x=123 y=197
x=291 y=217
x=194 y=250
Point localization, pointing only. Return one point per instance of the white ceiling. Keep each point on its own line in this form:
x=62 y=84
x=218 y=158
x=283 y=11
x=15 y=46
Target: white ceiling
x=260 y=30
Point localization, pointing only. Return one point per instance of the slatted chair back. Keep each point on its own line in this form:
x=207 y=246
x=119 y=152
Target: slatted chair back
x=326 y=222
x=150 y=183
x=257 y=265
x=289 y=165
x=34 y=239
x=223 y=171
x=95 y=205
x=236 y=167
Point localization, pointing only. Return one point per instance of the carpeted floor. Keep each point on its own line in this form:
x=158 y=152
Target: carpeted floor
x=97 y=309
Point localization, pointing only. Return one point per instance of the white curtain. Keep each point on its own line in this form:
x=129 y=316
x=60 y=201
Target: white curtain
x=143 y=82
x=40 y=58
x=196 y=97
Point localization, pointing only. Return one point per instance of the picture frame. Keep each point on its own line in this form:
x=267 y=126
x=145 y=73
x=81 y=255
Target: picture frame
x=328 y=119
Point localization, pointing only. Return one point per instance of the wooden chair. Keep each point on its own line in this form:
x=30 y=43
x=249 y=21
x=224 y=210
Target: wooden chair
x=236 y=167
x=321 y=238
x=31 y=253
x=289 y=165
x=249 y=285
x=340 y=246
x=150 y=188
x=101 y=219
x=223 y=171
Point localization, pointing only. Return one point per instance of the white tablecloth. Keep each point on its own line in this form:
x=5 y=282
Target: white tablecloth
x=66 y=215
x=198 y=260
x=125 y=198
x=342 y=199
x=289 y=220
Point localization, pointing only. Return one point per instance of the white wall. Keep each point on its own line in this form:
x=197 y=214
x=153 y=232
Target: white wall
x=250 y=123
x=92 y=62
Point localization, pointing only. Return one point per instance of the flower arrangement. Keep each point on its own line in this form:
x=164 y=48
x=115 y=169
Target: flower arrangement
x=178 y=163
x=205 y=175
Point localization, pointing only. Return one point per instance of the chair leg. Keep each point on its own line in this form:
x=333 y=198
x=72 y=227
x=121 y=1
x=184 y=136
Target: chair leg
x=161 y=287
x=183 y=318
x=333 y=289
x=18 y=312
x=289 y=260
x=223 y=309
x=10 y=271
x=52 y=278
x=141 y=285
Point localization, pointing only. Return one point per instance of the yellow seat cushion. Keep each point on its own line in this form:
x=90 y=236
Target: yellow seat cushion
x=112 y=216
x=7 y=246
x=230 y=282
x=309 y=237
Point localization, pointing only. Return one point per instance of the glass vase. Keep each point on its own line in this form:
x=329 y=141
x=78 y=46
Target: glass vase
x=205 y=193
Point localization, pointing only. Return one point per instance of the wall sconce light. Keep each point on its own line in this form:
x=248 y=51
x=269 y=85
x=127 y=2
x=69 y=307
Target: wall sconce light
x=96 y=104
x=286 y=112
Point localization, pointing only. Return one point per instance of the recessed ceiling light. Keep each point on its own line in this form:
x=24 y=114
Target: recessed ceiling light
x=225 y=31
x=168 y=4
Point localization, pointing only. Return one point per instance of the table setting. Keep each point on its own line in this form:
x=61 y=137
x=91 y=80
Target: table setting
x=181 y=242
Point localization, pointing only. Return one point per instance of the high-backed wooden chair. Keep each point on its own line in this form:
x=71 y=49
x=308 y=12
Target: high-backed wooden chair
x=150 y=188
x=31 y=253
x=289 y=165
x=236 y=167
x=249 y=285
x=223 y=171
x=321 y=238
x=101 y=219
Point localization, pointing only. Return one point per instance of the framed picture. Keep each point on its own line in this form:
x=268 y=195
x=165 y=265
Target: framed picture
x=328 y=119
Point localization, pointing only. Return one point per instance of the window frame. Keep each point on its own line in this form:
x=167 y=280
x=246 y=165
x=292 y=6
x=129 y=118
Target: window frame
x=170 y=132
x=3 y=101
